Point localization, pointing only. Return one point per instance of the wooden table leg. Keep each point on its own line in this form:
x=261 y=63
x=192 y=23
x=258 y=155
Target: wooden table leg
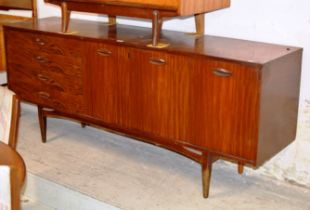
x=206 y=168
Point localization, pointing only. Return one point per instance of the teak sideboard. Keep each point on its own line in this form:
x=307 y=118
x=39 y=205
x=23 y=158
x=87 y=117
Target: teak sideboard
x=206 y=98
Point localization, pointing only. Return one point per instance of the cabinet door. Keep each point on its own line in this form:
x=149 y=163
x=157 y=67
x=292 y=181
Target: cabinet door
x=224 y=106
x=159 y=88
x=109 y=83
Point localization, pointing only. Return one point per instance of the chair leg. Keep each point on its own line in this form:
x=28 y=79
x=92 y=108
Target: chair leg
x=42 y=121
x=206 y=168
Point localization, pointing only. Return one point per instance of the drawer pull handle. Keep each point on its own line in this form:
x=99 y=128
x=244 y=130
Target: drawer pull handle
x=40 y=42
x=43 y=77
x=157 y=61
x=41 y=59
x=44 y=95
x=104 y=52
x=222 y=72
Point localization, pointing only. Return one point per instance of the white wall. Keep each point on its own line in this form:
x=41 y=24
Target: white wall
x=274 y=21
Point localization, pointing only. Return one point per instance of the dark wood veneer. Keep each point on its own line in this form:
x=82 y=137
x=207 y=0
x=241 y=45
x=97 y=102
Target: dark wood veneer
x=206 y=98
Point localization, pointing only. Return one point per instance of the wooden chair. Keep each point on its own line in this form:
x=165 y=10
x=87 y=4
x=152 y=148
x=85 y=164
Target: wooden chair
x=17 y=5
x=12 y=166
x=12 y=176
x=9 y=117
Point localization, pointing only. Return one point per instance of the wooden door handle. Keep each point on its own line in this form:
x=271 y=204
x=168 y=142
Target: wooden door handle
x=222 y=72
x=39 y=41
x=41 y=59
x=157 y=61
x=42 y=77
x=104 y=52
x=44 y=95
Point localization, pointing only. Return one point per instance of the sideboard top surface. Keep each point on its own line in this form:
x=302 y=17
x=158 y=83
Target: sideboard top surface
x=254 y=53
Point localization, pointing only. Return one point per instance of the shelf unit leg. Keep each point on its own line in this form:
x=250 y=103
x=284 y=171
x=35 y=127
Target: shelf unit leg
x=157 y=23
x=42 y=122
x=156 y=27
x=200 y=24
x=65 y=17
x=206 y=169
x=34 y=9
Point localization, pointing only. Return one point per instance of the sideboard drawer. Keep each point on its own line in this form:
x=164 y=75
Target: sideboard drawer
x=55 y=64
x=52 y=45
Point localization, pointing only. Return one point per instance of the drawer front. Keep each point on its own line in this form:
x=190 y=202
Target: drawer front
x=54 y=64
x=44 y=76
x=52 y=45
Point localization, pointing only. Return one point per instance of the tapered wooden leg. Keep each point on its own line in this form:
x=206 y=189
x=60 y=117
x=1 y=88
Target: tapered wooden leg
x=200 y=24
x=157 y=23
x=206 y=167
x=111 y=20
x=83 y=124
x=65 y=17
x=42 y=122
x=34 y=9
x=156 y=27
x=240 y=168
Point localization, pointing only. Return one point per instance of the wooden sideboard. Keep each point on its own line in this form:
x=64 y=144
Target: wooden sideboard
x=206 y=98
